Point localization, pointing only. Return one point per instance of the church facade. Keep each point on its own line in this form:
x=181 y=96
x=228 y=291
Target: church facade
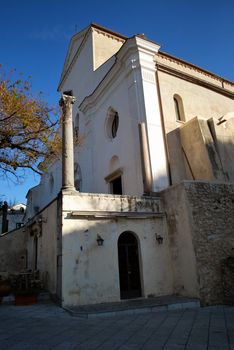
x=141 y=202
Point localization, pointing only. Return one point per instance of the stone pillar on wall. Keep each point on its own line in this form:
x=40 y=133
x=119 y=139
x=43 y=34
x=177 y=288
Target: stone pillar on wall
x=144 y=105
x=145 y=159
x=66 y=102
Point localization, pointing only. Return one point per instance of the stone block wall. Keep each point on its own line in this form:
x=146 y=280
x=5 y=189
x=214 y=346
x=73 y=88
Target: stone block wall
x=211 y=208
x=13 y=251
x=181 y=247
x=228 y=280
x=200 y=218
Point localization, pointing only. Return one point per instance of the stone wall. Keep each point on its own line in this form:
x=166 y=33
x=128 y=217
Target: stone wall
x=201 y=233
x=42 y=256
x=13 y=251
x=228 y=280
x=181 y=248
x=211 y=207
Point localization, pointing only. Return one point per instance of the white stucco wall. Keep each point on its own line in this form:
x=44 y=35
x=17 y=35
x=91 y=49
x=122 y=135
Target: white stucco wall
x=47 y=190
x=90 y=273
x=130 y=89
x=101 y=148
x=198 y=101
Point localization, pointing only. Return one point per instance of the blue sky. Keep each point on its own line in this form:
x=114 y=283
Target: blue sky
x=35 y=36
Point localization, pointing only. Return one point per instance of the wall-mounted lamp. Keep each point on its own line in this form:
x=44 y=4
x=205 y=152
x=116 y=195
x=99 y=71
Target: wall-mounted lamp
x=159 y=238
x=100 y=240
x=41 y=219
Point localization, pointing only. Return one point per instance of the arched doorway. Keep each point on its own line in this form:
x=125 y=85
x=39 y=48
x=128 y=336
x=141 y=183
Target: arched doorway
x=129 y=271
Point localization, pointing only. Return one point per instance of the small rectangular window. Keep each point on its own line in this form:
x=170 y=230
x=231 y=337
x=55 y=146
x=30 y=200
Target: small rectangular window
x=116 y=185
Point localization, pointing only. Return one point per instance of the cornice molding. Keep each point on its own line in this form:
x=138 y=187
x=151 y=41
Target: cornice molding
x=108 y=35
x=193 y=67
x=185 y=76
x=109 y=215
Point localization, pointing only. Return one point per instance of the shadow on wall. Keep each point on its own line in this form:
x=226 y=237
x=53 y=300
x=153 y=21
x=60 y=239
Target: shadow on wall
x=13 y=251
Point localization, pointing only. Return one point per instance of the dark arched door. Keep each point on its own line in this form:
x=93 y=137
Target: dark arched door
x=129 y=272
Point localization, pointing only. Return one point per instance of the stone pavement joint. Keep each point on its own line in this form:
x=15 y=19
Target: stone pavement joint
x=48 y=327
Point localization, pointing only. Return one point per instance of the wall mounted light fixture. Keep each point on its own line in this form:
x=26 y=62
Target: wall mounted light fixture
x=40 y=219
x=100 y=240
x=159 y=238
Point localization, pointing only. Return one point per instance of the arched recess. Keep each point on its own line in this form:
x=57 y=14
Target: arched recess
x=114 y=164
x=129 y=266
x=179 y=108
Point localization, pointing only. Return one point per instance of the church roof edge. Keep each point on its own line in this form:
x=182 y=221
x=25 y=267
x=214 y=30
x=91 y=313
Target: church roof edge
x=194 y=66
x=107 y=30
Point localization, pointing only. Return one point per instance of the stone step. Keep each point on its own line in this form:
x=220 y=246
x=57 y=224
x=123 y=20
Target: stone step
x=134 y=306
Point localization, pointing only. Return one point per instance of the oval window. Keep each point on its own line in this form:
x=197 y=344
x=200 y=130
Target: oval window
x=112 y=123
x=115 y=125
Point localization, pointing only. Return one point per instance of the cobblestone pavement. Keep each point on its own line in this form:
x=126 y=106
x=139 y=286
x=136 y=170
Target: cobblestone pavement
x=46 y=326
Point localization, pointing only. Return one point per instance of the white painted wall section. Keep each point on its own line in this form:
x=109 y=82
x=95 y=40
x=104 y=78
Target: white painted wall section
x=147 y=51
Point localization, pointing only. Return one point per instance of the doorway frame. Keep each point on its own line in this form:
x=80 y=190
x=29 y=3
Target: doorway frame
x=141 y=280
x=114 y=175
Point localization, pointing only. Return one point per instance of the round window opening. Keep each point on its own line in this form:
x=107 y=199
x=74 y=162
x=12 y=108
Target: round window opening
x=112 y=124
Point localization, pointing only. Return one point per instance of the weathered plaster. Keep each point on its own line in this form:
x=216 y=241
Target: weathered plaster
x=90 y=273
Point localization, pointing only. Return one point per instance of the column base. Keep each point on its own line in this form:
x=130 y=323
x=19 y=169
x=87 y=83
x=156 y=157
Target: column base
x=68 y=188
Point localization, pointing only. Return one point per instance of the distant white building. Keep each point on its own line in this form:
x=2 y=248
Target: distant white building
x=146 y=206
x=14 y=217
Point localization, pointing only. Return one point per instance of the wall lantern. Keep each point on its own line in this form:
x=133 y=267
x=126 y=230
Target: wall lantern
x=41 y=220
x=100 y=240
x=159 y=238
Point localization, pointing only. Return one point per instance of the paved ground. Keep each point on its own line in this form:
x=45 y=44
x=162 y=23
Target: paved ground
x=49 y=327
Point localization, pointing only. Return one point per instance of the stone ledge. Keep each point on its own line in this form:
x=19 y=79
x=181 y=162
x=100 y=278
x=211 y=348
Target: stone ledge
x=134 y=307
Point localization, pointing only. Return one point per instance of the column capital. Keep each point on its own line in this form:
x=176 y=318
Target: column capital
x=65 y=102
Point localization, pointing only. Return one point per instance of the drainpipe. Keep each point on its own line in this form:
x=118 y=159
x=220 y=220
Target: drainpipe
x=145 y=159
x=66 y=103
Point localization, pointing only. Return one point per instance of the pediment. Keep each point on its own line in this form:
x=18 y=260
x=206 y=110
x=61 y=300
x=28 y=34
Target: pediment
x=73 y=49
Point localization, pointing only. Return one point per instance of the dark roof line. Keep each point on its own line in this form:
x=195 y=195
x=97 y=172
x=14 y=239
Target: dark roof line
x=98 y=26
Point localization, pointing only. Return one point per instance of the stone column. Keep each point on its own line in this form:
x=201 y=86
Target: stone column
x=66 y=103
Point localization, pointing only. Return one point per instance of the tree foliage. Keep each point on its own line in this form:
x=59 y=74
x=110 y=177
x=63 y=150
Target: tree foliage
x=28 y=128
